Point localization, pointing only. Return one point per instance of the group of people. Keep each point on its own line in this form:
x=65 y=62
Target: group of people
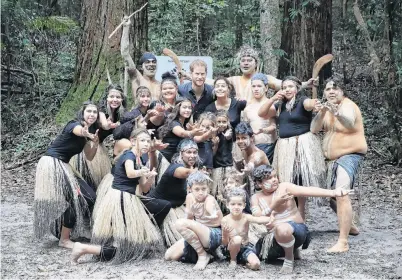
x=209 y=172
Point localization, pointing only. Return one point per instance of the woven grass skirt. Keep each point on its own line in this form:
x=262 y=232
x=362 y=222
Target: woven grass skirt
x=169 y=231
x=93 y=171
x=123 y=222
x=56 y=189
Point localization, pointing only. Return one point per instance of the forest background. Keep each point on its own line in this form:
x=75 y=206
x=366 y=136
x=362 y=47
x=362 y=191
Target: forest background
x=54 y=55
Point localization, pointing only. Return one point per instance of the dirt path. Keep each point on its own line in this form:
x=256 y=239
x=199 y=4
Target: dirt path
x=375 y=254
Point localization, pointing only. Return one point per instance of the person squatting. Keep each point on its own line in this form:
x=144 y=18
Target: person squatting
x=201 y=172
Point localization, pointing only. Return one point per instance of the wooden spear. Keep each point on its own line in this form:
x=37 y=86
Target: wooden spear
x=121 y=24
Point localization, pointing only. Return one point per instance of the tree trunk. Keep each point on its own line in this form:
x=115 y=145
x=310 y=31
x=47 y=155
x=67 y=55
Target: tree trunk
x=270 y=30
x=306 y=36
x=239 y=24
x=375 y=61
x=96 y=52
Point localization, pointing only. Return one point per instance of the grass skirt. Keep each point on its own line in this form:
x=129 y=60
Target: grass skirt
x=56 y=188
x=300 y=160
x=103 y=188
x=93 y=171
x=256 y=232
x=218 y=176
x=169 y=231
x=123 y=222
x=163 y=164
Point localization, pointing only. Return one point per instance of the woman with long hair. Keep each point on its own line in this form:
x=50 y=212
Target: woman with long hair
x=112 y=106
x=62 y=198
x=298 y=156
x=123 y=226
x=174 y=129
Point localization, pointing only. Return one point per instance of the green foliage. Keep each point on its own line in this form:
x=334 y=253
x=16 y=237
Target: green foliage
x=173 y=24
x=38 y=58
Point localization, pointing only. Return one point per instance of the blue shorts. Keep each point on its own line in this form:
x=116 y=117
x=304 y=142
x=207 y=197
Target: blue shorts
x=215 y=239
x=245 y=251
x=302 y=238
x=268 y=149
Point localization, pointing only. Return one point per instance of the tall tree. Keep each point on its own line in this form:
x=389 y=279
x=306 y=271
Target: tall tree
x=270 y=30
x=97 y=53
x=306 y=36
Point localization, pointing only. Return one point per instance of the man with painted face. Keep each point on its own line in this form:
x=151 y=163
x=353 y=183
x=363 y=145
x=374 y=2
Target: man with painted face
x=197 y=91
x=147 y=64
x=344 y=148
x=253 y=156
x=276 y=200
x=264 y=128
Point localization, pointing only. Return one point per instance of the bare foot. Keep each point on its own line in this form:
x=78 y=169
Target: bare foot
x=297 y=254
x=66 y=243
x=233 y=264
x=287 y=267
x=339 y=247
x=202 y=262
x=77 y=252
x=354 y=230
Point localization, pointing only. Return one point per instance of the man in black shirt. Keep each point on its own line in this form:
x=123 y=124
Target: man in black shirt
x=197 y=91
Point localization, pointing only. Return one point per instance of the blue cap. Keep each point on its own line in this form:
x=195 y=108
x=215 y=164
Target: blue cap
x=147 y=56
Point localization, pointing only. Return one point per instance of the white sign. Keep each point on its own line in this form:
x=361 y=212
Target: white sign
x=165 y=63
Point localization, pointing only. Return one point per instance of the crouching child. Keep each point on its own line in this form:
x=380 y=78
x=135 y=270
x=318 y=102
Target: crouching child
x=201 y=230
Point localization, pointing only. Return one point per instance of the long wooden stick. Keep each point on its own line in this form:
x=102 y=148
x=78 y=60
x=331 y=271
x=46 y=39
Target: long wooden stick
x=121 y=24
x=317 y=67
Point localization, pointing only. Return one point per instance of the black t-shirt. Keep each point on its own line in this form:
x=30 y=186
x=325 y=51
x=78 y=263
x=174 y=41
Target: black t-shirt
x=223 y=156
x=121 y=181
x=206 y=154
x=173 y=140
x=171 y=188
x=67 y=144
x=234 y=111
x=296 y=122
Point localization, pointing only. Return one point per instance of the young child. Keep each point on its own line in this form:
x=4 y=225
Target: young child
x=276 y=200
x=223 y=145
x=235 y=229
x=201 y=230
x=231 y=180
x=207 y=124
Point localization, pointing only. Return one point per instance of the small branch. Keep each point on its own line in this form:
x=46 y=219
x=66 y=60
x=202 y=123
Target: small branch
x=21 y=163
x=121 y=24
x=19 y=70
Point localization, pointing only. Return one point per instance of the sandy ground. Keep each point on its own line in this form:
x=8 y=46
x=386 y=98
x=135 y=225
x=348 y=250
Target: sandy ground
x=375 y=254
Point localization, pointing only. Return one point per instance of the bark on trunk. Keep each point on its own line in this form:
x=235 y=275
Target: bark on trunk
x=306 y=36
x=96 y=52
x=270 y=32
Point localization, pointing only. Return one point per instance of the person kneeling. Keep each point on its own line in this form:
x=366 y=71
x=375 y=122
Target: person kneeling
x=276 y=201
x=201 y=230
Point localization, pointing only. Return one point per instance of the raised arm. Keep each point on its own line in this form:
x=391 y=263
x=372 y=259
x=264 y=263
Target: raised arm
x=346 y=116
x=267 y=110
x=274 y=82
x=125 y=44
x=319 y=119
